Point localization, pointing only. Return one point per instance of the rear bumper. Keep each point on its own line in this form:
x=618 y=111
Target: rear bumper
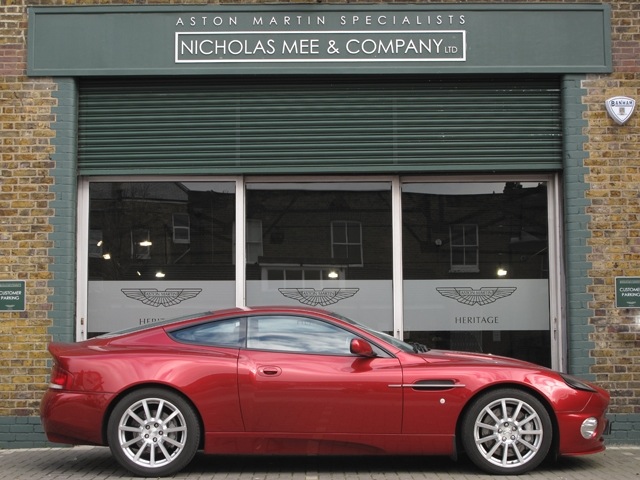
x=73 y=418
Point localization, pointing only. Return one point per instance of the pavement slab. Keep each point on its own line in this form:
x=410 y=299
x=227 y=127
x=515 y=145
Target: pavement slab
x=93 y=463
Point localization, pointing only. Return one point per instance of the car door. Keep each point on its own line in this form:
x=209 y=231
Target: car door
x=297 y=375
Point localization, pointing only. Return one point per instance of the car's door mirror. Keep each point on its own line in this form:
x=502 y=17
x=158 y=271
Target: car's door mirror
x=361 y=347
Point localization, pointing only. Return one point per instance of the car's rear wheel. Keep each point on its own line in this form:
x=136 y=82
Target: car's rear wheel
x=507 y=431
x=153 y=432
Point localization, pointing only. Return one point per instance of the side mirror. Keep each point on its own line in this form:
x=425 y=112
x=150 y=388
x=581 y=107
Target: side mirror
x=361 y=347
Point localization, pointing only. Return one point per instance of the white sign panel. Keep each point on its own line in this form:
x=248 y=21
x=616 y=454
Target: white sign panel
x=492 y=305
x=115 y=305
x=620 y=108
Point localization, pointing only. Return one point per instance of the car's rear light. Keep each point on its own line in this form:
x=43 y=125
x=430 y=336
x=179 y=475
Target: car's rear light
x=59 y=378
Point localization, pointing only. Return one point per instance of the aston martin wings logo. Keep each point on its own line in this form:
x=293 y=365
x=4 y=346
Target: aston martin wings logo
x=471 y=296
x=161 y=298
x=313 y=297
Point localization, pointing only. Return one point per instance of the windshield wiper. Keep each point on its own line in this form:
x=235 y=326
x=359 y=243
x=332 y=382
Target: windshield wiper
x=419 y=347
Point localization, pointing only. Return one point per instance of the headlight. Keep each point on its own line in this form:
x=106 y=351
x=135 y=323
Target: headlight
x=588 y=427
x=577 y=384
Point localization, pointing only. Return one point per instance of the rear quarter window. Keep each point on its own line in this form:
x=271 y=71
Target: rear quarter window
x=222 y=333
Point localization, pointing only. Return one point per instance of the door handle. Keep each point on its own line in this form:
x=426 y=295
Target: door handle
x=269 y=371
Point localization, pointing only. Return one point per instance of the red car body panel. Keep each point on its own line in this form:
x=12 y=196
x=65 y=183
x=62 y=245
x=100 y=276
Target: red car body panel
x=322 y=395
x=262 y=402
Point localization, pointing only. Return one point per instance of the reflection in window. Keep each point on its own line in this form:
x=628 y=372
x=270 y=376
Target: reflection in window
x=224 y=333
x=346 y=241
x=297 y=334
x=321 y=226
x=306 y=274
x=95 y=244
x=464 y=247
x=181 y=229
x=140 y=244
x=254 y=240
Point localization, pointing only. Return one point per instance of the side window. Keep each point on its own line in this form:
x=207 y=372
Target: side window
x=297 y=334
x=222 y=333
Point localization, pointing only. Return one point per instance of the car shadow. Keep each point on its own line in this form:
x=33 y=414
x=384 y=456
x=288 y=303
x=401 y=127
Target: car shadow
x=97 y=462
x=363 y=465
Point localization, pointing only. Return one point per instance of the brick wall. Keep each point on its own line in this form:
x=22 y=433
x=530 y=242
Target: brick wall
x=37 y=201
x=25 y=218
x=613 y=177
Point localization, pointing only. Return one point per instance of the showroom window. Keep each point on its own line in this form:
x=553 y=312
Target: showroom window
x=324 y=244
x=476 y=267
x=470 y=266
x=158 y=250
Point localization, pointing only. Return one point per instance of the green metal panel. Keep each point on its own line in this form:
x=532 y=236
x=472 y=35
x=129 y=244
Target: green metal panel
x=309 y=125
x=317 y=38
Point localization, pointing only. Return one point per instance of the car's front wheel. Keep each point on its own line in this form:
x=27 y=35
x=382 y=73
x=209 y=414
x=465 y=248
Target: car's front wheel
x=507 y=431
x=153 y=432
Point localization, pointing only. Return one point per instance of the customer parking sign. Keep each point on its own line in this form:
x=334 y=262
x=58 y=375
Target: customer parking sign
x=627 y=292
x=12 y=296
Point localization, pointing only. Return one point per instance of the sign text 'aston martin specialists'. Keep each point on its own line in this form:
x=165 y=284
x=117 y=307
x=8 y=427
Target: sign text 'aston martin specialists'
x=322 y=38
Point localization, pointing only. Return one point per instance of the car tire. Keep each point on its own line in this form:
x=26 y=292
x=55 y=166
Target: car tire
x=506 y=432
x=153 y=432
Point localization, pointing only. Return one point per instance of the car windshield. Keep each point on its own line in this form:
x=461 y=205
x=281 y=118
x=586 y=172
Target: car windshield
x=146 y=326
x=404 y=346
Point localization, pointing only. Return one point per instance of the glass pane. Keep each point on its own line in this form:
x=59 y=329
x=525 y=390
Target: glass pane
x=162 y=249
x=470 y=235
x=341 y=253
x=353 y=233
x=316 y=223
x=457 y=235
x=297 y=334
x=471 y=256
x=228 y=333
x=339 y=232
x=275 y=274
x=355 y=256
x=457 y=256
x=294 y=275
x=490 y=293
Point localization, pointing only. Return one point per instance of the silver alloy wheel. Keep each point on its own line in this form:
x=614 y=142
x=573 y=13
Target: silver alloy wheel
x=152 y=432
x=508 y=432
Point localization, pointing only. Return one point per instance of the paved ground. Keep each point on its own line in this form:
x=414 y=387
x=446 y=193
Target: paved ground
x=93 y=463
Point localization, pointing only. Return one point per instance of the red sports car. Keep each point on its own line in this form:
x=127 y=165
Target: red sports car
x=299 y=381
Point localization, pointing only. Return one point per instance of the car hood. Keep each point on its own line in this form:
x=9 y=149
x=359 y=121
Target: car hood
x=469 y=358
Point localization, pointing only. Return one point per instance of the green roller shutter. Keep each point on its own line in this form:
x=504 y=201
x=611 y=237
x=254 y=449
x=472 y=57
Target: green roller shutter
x=317 y=124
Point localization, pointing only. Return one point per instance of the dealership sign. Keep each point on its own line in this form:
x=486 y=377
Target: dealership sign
x=318 y=46
x=305 y=38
